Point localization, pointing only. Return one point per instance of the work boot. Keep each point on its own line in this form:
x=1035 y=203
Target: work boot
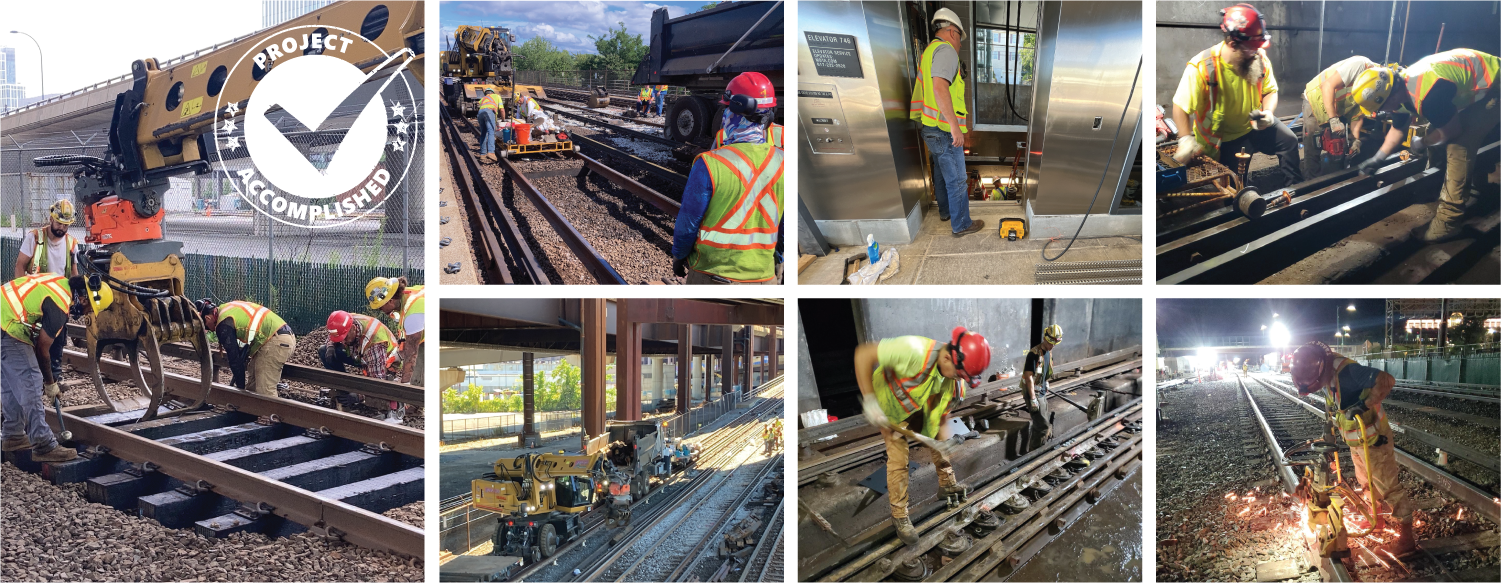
x=1438 y=231
x=16 y=443
x=960 y=489
x=905 y=531
x=58 y=453
x=974 y=227
x=1406 y=541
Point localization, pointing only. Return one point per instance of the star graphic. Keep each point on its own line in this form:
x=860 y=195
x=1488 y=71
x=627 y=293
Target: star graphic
x=233 y=143
x=401 y=127
x=232 y=108
x=396 y=145
x=397 y=108
x=229 y=126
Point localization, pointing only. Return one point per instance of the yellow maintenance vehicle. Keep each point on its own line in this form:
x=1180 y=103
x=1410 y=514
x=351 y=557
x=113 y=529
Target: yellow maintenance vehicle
x=542 y=498
x=480 y=58
x=164 y=126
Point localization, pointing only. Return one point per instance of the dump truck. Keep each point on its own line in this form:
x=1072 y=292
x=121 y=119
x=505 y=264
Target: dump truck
x=702 y=52
x=541 y=499
x=640 y=450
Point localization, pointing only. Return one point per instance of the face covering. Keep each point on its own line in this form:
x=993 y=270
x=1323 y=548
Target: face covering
x=738 y=130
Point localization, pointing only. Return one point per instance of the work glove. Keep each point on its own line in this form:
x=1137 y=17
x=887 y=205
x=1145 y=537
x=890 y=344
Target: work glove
x=1336 y=125
x=347 y=399
x=238 y=380
x=51 y=391
x=1188 y=148
x=1355 y=147
x=1265 y=121
x=680 y=267
x=1418 y=146
x=873 y=414
x=1356 y=409
x=1369 y=167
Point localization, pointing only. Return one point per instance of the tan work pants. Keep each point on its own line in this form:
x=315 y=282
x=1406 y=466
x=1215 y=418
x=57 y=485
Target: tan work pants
x=264 y=371
x=418 y=367
x=1383 y=477
x=896 y=472
x=1477 y=121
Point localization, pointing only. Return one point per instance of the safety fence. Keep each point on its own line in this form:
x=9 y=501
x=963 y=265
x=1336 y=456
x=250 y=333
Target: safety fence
x=493 y=425
x=1440 y=366
x=462 y=526
x=618 y=82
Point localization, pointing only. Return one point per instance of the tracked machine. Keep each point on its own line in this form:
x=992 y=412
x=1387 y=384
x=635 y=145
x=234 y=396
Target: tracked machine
x=163 y=127
x=479 y=59
x=542 y=498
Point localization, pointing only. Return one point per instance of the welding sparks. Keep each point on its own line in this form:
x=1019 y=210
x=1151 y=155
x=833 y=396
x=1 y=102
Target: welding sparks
x=1250 y=499
x=1230 y=496
x=1243 y=512
x=1461 y=514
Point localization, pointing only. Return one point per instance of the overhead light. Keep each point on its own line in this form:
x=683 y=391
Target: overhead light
x=1350 y=308
x=1347 y=328
x=1263 y=327
x=1280 y=335
x=1274 y=314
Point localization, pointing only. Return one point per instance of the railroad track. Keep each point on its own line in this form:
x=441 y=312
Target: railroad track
x=1225 y=247
x=1007 y=517
x=552 y=236
x=1284 y=420
x=765 y=562
x=246 y=462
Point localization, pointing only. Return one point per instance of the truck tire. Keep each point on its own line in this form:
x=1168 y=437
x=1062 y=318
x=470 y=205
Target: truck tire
x=547 y=540
x=638 y=488
x=687 y=119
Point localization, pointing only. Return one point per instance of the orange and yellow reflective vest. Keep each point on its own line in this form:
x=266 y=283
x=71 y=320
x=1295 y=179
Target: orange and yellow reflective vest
x=738 y=237
x=902 y=396
x=1472 y=71
x=924 y=106
x=254 y=323
x=21 y=310
x=39 y=255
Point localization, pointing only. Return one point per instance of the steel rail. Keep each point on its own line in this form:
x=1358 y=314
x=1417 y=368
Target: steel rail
x=1448 y=394
x=1076 y=442
x=322 y=515
x=492 y=257
x=597 y=112
x=593 y=262
x=1173 y=230
x=693 y=558
x=652 y=197
x=492 y=205
x=627 y=131
x=653 y=168
x=398 y=438
x=774 y=525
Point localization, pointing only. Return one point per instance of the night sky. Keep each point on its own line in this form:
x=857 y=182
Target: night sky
x=1307 y=319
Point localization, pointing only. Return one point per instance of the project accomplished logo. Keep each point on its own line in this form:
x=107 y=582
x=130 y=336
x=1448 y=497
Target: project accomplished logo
x=323 y=143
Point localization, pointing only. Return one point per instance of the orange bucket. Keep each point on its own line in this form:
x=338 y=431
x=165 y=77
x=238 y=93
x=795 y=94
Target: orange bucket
x=523 y=133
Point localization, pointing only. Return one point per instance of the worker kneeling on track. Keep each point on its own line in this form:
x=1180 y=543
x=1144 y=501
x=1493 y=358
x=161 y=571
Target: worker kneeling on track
x=729 y=229
x=1037 y=368
x=368 y=345
x=907 y=385
x=254 y=341
x=490 y=107
x=1328 y=105
x=405 y=303
x=1230 y=93
x=1353 y=395
x=34 y=313
x=1456 y=91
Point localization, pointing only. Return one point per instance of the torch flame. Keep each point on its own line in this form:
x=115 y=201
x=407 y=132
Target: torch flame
x=1243 y=512
x=1461 y=514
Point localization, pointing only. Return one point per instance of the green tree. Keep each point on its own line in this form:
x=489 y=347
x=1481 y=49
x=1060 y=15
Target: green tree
x=539 y=54
x=617 y=50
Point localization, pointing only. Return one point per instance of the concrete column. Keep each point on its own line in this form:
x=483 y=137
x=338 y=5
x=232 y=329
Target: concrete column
x=628 y=364
x=709 y=385
x=592 y=345
x=658 y=378
x=529 y=434
x=685 y=366
x=698 y=377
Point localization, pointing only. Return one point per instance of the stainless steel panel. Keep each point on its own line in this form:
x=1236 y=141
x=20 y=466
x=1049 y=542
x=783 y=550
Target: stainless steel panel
x=1089 y=56
x=821 y=119
x=883 y=177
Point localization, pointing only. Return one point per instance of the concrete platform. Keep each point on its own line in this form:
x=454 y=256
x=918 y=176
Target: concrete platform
x=936 y=257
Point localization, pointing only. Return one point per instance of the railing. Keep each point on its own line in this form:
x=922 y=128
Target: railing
x=1188 y=344
x=507 y=424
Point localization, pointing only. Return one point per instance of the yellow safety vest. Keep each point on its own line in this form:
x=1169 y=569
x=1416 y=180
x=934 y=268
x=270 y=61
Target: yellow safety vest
x=1472 y=71
x=39 y=255
x=1348 y=426
x=370 y=331
x=1344 y=106
x=645 y=93
x=413 y=303
x=254 y=323
x=491 y=101
x=21 y=311
x=738 y=237
x=924 y=105
x=773 y=136
x=901 y=397
x=1208 y=118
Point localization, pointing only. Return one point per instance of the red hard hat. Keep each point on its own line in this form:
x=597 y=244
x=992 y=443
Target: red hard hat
x=753 y=85
x=339 y=324
x=1244 y=24
x=971 y=353
x=1308 y=365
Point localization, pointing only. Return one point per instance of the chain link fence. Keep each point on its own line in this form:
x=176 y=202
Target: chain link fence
x=491 y=425
x=616 y=82
x=231 y=250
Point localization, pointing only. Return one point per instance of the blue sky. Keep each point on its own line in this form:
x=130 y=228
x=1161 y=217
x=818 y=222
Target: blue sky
x=567 y=24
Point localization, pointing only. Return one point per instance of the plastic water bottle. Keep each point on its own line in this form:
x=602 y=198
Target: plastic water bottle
x=872 y=249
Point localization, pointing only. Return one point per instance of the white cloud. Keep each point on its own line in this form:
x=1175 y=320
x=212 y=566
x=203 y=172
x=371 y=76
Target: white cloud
x=548 y=32
x=567 y=24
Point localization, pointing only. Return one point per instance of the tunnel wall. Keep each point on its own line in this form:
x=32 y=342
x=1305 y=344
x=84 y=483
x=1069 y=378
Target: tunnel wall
x=807 y=382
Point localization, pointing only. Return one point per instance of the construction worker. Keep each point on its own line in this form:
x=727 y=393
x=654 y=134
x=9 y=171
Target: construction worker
x=661 y=97
x=34 y=312
x=364 y=342
x=1329 y=105
x=643 y=100
x=773 y=136
x=1037 y=368
x=730 y=226
x=1230 y=93
x=254 y=341
x=938 y=101
x=776 y=431
x=50 y=249
x=490 y=108
x=1456 y=91
x=532 y=112
x=907 y=385
x=405 y=303
x=766 y=438
x=1353 y=394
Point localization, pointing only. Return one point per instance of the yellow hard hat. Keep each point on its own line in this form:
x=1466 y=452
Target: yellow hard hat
x=1052 y=334
x=62 y=211
x=100 y=294
x=1372 y=87
x=380 y=290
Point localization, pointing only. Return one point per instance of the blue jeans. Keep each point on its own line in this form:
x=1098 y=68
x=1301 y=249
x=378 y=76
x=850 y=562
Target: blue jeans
x=21 y=400
x=949 y=180
x=661 y=99
x=486 y=131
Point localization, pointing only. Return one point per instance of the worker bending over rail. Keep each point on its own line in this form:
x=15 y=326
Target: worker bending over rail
x=1230 y=93
x=1037 y=368
x=907 y=385
x=368 y=345
x=1328 y=104
x=405 y=303
x=34 y=313
x=1456 y=92
x=254 y=341
x=1353 y=395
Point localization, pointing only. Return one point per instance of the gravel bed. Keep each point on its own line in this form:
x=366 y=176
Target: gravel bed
x=412 y=514
x=52 y=533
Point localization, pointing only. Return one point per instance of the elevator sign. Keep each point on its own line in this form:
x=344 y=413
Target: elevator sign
x=834 y=55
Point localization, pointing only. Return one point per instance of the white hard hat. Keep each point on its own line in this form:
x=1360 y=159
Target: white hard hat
x=946 y=15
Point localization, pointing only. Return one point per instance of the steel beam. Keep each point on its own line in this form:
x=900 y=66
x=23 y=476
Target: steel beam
x=1174 y=230
x=627 y=363
x=528 y=399
x=1250 y=262
x=650 y=167
x=592 y=342
x=727 y=360
x=685 y=368
x=687 y=311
